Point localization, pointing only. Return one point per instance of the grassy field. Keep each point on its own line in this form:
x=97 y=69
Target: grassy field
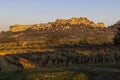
x=87 y=72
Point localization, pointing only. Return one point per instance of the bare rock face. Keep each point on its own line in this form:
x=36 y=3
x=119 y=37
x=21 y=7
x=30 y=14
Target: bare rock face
x=118 y=22
x=80 y=20
x=77 y=21
x=74 y=21
x=41 y=26
x=59 y=22
x=17 y=28
x=101 y=25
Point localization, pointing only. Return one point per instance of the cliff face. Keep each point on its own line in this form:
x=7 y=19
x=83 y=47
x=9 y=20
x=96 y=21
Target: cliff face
x=77 y=21
x=118 y=22
x=17 y=28
x=58 y=22
x=41 y=26
x=101 y=24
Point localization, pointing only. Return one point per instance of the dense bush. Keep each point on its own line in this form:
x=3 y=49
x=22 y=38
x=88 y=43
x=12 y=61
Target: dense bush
x=116 y=39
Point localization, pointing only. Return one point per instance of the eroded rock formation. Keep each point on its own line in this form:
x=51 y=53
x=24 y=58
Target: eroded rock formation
x=17 y=28
x=60 y=22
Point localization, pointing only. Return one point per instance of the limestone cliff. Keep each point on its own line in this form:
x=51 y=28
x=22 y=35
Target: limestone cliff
x=101 y=24
x=118 y=22
x=17 y=28
x=59 y=22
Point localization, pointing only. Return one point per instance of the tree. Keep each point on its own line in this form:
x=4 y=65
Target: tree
x=116 y=39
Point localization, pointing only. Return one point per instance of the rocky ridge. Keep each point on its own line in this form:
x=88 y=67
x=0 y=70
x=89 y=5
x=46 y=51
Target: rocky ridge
x=59 y=22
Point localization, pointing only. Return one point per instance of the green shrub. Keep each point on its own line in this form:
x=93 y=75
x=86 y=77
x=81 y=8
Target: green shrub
x=116 y=39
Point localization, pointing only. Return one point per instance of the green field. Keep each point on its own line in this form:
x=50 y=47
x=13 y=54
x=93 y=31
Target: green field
x=87 y=72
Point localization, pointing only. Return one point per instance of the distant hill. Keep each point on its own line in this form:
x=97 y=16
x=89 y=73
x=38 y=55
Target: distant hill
x=64 y=49
x=62 y=31
x=59 y=22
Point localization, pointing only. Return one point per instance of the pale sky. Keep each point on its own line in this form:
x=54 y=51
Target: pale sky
x=40 y=11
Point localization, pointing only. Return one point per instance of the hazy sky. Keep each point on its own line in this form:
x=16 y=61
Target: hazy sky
x=37 y=11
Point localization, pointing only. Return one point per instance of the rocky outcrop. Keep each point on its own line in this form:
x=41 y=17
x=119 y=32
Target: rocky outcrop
x=101 y=24
x=118 y=22
x=59 y=22
x=41 y=26
x=17 y=28
x=77 y=21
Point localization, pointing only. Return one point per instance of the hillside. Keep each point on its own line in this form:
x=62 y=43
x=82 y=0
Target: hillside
x=59 y=22
x=60 y=50
x=71 y=30
x=74 y=31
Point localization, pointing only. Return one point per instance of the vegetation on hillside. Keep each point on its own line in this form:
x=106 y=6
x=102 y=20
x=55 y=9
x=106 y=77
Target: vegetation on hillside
x=70 y=51
x=117 y=37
